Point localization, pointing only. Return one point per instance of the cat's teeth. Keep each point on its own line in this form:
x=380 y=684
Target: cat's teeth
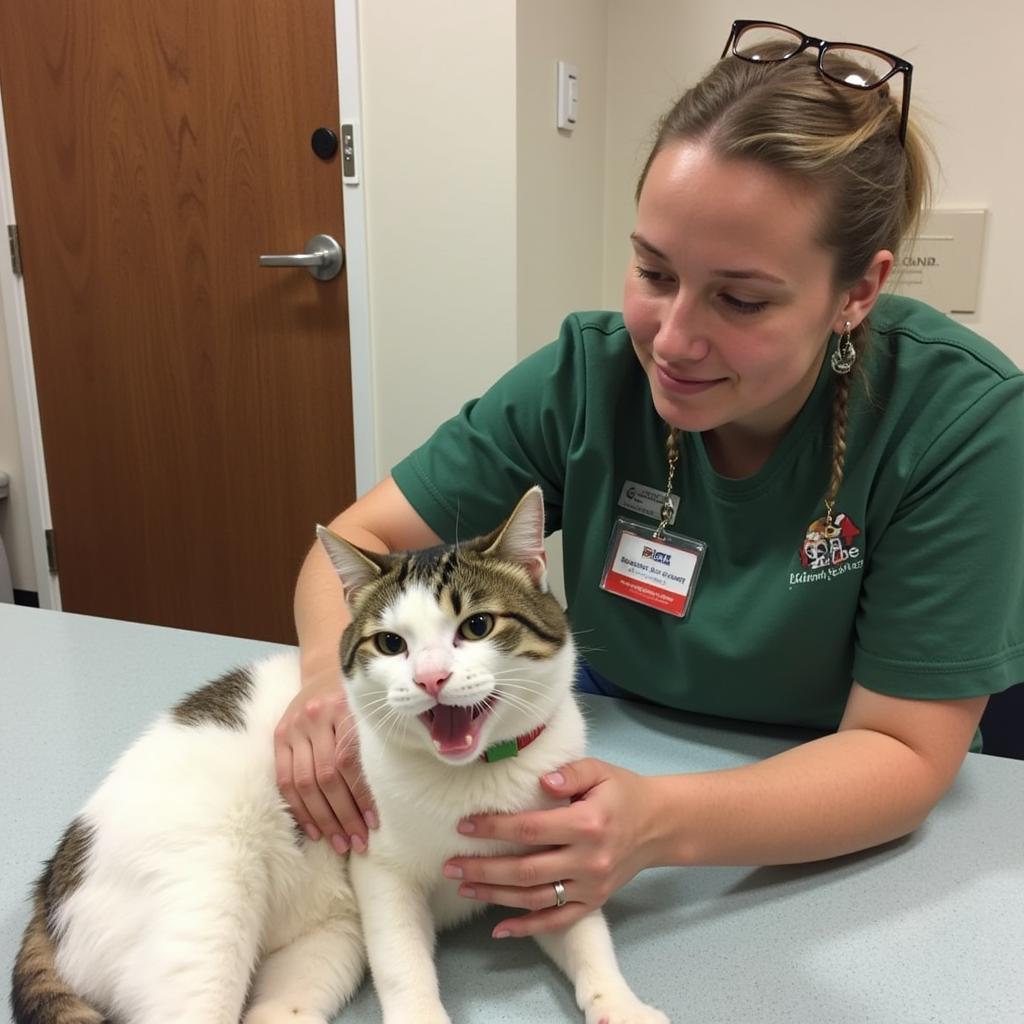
x=437 y=743
x=469 y=740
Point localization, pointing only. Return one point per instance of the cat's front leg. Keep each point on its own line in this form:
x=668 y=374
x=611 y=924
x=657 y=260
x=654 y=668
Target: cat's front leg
x=584 y=951
x=399 y=932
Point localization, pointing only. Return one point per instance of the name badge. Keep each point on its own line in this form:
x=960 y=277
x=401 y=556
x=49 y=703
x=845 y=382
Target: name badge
x=658 y=571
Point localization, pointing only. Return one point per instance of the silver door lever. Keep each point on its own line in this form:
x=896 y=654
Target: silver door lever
x=323 y=258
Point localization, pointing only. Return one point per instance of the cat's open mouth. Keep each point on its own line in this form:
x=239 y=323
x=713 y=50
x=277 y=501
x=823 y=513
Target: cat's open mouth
x=455 y=729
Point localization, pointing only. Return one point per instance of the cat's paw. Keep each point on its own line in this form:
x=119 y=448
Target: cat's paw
x=622 y=1009
x=282 y=1013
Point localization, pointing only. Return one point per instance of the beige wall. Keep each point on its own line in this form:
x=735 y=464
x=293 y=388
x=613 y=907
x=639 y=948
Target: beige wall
x=485 y=223
x=561 y=175
x=440 y=168
x=966 y=84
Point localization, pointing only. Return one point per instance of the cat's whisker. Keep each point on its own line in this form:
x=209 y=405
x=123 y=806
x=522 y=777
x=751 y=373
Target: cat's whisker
x=520 y=704
x=381 y=717
x=508 y=674
x=514 y=689
x=524 y=684
x=372 y=696
x=343 y=738
x=582 y=648
x=373 y=704
x=398 y=724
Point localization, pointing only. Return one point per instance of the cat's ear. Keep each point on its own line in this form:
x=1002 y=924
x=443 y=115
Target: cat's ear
x=521 y=538
x=354 y=566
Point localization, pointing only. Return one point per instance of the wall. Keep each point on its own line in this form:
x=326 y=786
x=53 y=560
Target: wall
x=477 y=255
x=560 y=186
x=440 y=168
x=965 y=79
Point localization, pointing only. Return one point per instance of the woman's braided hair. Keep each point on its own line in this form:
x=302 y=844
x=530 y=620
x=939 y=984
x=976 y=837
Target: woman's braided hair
x=844 y=141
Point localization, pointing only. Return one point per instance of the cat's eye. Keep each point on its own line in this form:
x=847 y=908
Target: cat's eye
x=476 y=627
x=389 y=643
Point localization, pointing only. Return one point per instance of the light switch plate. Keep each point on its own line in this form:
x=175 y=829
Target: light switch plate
x=568 y=95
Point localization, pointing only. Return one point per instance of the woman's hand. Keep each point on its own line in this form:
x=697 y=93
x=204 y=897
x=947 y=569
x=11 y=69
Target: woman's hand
x=593 y=846
x=316 y=754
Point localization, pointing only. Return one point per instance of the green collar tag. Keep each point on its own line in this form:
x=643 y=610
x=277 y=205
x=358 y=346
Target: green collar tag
x=508 y=748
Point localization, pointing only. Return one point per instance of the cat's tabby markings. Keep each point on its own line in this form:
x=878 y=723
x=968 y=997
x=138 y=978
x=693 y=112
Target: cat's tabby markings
x=221 y=702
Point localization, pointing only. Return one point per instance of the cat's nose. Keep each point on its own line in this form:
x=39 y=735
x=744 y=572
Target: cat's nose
x=432 y=680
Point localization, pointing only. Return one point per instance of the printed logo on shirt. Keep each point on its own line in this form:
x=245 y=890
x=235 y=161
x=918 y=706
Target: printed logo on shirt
x=828 y=550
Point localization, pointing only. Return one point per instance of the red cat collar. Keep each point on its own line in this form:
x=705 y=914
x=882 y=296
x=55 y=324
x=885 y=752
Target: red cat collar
x=509 y=748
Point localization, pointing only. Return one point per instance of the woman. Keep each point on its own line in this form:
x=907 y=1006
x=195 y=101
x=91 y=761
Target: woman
x=850 y=481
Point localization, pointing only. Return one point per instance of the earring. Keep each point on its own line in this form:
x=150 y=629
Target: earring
x=845 y=354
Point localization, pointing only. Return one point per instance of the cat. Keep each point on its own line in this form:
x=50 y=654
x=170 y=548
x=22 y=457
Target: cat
x=184 y=890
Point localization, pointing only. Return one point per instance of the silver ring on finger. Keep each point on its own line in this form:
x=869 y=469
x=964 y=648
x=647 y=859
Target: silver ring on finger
x=559 y=888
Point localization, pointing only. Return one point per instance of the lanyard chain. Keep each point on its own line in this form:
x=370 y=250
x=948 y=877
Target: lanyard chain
x=672 y=450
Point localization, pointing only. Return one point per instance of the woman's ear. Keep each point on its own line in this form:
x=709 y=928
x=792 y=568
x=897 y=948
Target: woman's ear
x=860 y=299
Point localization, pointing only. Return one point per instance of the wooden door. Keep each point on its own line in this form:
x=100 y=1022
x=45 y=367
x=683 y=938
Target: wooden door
x=195 y=407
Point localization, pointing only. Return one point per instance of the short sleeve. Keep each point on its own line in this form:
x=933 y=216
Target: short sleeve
x=941 y=613
x=469 y=475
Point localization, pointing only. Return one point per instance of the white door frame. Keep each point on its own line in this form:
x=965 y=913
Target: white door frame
x=15 y=312
x=23 y=381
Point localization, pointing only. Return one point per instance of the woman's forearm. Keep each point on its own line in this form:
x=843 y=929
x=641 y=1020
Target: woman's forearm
x=835 y=795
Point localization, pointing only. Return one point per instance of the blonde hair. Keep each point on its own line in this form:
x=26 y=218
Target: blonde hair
x=841 y=141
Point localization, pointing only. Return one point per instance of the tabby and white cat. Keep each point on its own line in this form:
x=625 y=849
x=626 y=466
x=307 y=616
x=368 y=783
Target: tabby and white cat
x=183 y=891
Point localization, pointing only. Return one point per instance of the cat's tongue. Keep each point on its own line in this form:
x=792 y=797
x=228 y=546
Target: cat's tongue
x=452 y=729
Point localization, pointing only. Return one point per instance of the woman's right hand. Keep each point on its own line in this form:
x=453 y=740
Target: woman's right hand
x=316 y=754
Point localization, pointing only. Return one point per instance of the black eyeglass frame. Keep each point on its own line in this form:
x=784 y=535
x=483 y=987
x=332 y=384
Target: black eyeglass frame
x=823 y=46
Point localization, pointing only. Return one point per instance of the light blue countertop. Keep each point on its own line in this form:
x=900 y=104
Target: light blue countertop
x=928 y=929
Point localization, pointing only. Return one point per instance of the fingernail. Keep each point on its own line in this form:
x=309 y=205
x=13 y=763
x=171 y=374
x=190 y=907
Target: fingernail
x=338 y=842
x=312 y=831
x=555 y=779
x=370 y=817
x=501 y=934
x=452 y=871
x=466 y=827
x=468 y=891
x=359 y=844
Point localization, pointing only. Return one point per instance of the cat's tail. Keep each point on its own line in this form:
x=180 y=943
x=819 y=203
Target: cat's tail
x=38 y=993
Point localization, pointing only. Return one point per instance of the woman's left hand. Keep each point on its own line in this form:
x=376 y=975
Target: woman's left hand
x=593 y=846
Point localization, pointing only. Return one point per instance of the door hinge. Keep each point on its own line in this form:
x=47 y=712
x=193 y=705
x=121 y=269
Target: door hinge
x=15 y=243
x=51 y=552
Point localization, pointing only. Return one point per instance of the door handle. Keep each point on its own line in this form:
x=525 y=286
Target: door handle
x=323 y=258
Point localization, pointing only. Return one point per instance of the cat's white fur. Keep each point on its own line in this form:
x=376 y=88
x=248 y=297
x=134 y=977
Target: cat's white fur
x=195 y=871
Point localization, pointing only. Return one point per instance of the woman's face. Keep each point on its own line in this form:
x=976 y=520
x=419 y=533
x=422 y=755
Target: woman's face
x=729 y=297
